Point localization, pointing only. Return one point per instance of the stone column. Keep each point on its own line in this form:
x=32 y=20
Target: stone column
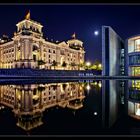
x=41 y=50
x=16 y=98
x=30 y=50
x=31 y=99
x=22 y=100
x=21 y=50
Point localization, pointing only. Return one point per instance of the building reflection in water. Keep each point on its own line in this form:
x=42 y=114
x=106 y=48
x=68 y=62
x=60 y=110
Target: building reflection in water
x=133 y=98
x=30 y=101
x=112 y=99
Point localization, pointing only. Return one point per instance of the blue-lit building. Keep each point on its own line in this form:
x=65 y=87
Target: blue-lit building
x=113 y=53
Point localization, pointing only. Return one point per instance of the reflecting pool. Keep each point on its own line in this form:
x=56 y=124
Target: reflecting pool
x=70 y=107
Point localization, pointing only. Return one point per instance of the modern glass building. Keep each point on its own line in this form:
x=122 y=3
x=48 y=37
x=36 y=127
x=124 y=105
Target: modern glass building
x=112 y=53
x=132 y=63
x=133 y=56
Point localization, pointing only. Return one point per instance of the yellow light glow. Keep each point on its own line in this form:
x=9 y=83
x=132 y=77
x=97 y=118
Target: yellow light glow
x=88 y=64
x=95 y=83
x=88 y=87
x=100 y=84
x=100 y=65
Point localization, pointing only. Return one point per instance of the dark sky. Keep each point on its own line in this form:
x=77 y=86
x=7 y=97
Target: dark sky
x=60 y=21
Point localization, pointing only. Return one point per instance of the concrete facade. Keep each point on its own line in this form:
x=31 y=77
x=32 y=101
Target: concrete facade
x=112 y=53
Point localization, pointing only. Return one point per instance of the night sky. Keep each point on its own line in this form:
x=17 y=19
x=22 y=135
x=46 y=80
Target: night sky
x=61 y=21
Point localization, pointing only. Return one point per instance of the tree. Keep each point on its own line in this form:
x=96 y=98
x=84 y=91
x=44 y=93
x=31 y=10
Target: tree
x=54 y=63
x=81 y=65
x=97 y=65
x=41 y=62
x=94 y=67
x=64 y=64
x=96 y=62
x=73 y=64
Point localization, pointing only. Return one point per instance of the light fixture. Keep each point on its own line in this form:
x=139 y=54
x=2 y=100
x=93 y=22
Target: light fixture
x=88 y=64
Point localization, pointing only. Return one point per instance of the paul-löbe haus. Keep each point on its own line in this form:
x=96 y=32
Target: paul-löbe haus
x=121 y=57
x=29 y=49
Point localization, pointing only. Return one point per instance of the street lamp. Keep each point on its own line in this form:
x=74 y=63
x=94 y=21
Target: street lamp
x=100 y=66
x=88 y=64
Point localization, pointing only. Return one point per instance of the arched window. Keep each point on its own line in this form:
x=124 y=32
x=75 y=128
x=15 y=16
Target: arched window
x=35 y=48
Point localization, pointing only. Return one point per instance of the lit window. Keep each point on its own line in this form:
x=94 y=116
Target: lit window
x=137 y=45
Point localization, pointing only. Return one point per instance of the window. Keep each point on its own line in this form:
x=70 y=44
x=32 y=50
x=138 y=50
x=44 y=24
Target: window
x=134 y=60
x=135 y=71
x=35 y=48
x=53 y=51
x=137 y=45
x=49 y=51
x=62 y=52
x=34 y=57
x=18 y=48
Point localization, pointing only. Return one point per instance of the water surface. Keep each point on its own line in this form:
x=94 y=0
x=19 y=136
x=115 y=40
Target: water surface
x=70 y=107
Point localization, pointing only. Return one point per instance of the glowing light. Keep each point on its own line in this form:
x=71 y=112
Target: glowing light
x=95 y=83
x=100 y=84
x=96 y=33
x=100 y=65
x=88 y=64
x=138 y=112
x=88 y=87
x=95 y=113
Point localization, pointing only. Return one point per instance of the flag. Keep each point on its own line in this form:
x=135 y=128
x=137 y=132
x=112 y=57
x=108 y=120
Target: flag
x=74 y=35
x=28 y=15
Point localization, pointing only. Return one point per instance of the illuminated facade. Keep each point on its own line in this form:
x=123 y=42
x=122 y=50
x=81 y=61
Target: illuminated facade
x=134 y=109
x=133 y=98
x=30 y=101
x=29 y=49
x=133 y=57
x=133 y=61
